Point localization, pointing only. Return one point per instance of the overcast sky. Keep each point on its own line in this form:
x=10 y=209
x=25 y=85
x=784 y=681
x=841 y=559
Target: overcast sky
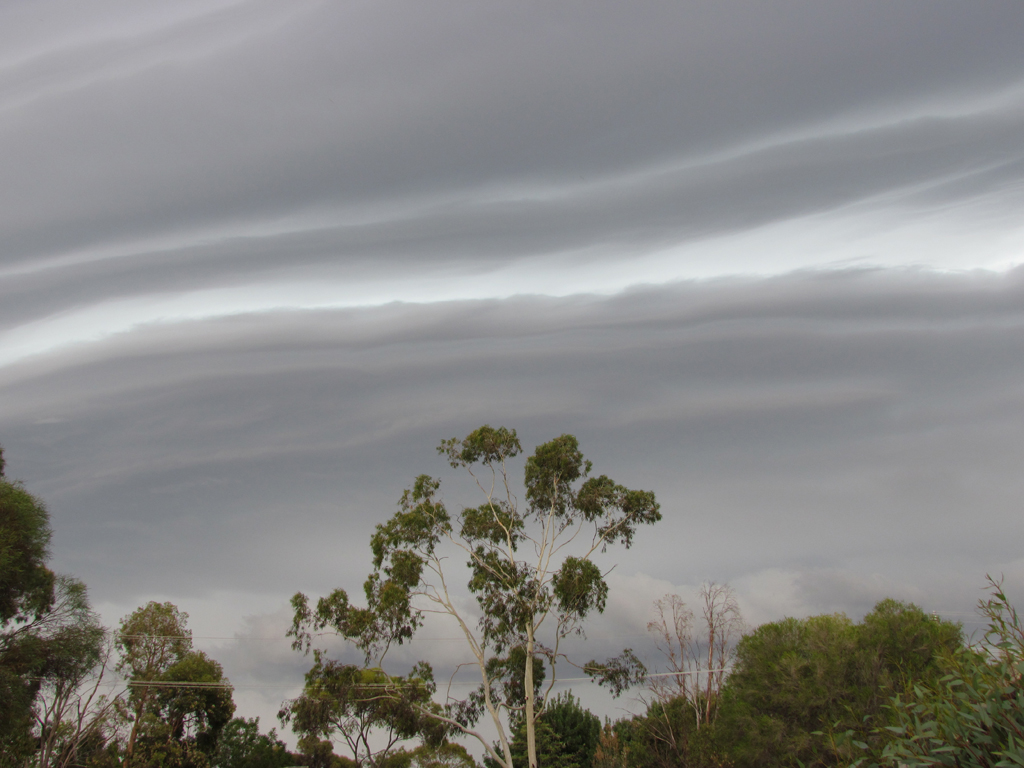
x=258 y=258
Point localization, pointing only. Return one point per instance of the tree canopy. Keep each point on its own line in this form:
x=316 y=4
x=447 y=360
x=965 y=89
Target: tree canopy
x=243 y=745
x=178 y=700
x=531 y=570
x=48 y=634
x=352 y=704
x=798 y=683
x=972 y=716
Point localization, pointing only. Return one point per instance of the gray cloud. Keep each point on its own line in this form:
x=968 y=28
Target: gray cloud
x=804 y=420
x=257 y=258
x=249 y=112
x=926 y=166
x=819 y=440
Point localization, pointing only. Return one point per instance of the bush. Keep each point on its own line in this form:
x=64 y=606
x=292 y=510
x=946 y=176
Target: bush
x=971 y=717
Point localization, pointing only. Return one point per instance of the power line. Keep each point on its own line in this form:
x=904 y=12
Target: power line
x=429 y=639
x=227 y=684
x=274 y=639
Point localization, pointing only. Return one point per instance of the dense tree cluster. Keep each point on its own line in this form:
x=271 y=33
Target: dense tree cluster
x=48 y=636
x=76 y=695
x=796 y=684
x=972 y=716
x=899 y=688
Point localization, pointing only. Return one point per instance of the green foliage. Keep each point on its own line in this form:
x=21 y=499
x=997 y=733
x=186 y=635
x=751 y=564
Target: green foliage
x=580 y=587
x=971 y=717
x=26 y=584
x=507 y=684
x=49 y=637
x=619 y=673
x=242 y=745
x=176 y=726
x=610 y=752
x=199 y=709
x=801 y=693
x=346 y=702
x=576 y=729
x=567 y=735
x=446 y=755
x=797 y=685
x=666 y=735
x=151 y=639
x=317 y=753
x=70 y=644
x=518 y=594
x=26 y=595
x=904 y=644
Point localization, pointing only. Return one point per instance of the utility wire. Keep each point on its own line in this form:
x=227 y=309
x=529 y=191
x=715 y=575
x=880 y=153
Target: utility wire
x=274 y=639
x=192 y=684
x=422 y=639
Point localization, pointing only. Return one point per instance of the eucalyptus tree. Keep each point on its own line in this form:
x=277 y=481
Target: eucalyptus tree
x=243 y=745
x=696 y=654
x=151 y=639
x=49 y=637
x=178 y=700
x=26 y=598
x=531 y=570
x=973 y=716
x=74 y=705
x=351 y=703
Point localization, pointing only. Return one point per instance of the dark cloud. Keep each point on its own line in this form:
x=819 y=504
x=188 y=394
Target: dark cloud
x=819 y=440
x=804 y=420
x=225 y=120
x=926 y=165
x=257 y=258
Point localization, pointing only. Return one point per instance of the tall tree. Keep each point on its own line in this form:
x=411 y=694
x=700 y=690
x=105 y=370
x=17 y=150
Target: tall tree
x=26 y=584
x=697 y=656
x=26 y=596
x=48 y=634
x=531 y=569
x=723 y=625
x=150 y=640
x=178 y=699
x=74 y=706
x=195 y=701
x=675 y=727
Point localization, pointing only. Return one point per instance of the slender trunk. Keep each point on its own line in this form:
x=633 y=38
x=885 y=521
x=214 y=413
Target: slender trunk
x=133 y=735
x=711 y=666
x=531 y=734
x=506 y=748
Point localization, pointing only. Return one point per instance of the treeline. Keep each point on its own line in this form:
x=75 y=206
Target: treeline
x=73 y=694
x=800 y=692
x=899 y=688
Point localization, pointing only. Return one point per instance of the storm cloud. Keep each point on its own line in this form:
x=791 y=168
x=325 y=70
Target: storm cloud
x=257 y=259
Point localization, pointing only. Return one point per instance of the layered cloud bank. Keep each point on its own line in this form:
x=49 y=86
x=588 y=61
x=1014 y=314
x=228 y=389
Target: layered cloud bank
x=180 y=148
x=257 y=259
x=819 y=440
x=866 y=420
